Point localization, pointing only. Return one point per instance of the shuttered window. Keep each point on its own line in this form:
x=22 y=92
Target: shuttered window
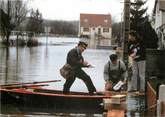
x=86 y=29
x=105 y=29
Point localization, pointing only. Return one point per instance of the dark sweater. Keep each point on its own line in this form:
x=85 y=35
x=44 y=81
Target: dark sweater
x=140 y=50
x=74 y=57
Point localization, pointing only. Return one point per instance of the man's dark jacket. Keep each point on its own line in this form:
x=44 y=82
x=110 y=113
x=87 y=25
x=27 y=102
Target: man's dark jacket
x=74 y=57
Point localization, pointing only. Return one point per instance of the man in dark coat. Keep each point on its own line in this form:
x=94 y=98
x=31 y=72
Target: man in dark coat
x=76 y=60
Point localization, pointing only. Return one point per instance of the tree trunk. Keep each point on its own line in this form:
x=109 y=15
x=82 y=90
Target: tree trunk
x=7 y=38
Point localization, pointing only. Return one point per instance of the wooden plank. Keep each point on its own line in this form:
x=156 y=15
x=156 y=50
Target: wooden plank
x=24 y=86
x=110 y=93
x=117 y=99
x=35 y=82
x=115 y=92
x=116 y=113
x=108 y=105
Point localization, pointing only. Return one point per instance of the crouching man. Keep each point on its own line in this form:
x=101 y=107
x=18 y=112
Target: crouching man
x=115 y=74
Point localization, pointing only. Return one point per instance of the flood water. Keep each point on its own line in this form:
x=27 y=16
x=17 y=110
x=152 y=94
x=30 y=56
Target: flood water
x=28 y=64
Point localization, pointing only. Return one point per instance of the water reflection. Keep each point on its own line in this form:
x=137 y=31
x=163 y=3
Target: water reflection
x=43 y=63
x=27 y=64
x=135 y=105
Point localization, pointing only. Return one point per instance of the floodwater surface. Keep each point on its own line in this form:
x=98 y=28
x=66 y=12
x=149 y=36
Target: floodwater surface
x=41 y=63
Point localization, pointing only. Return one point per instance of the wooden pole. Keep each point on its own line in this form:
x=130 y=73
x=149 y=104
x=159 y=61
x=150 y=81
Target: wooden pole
x=23 y=86
x=35 y=82
x=126 y=30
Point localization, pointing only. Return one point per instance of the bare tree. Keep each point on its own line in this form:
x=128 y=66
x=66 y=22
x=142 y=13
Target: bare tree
x=35 y=22
x=16 y=11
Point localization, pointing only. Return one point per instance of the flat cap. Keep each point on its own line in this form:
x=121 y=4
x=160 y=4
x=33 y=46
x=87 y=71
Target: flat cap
x=82 y=43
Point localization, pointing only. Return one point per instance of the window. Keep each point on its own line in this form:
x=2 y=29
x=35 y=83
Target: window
x=99 y=31
x=86 y=29
x=105 y=29
x=105 y=20
x=85 y=20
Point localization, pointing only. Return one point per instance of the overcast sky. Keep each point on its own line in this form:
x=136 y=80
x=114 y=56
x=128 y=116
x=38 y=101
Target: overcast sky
x=71 y=9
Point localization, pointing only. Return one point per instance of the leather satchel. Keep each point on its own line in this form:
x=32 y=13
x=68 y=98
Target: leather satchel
x=67 y=71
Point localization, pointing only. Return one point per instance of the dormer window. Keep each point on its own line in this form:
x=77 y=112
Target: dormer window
x=85 y=20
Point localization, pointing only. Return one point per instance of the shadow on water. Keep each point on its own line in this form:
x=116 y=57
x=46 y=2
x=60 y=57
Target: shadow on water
x=17 y=110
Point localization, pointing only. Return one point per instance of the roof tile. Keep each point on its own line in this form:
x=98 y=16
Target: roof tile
x=95 y=20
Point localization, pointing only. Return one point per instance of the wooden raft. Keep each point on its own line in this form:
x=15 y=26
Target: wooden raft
x=115 y=105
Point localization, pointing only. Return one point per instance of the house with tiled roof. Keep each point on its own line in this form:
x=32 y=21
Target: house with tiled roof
x=159 y=16
x=95 y=26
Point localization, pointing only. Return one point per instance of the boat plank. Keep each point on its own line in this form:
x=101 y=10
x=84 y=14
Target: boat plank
x=24 y=86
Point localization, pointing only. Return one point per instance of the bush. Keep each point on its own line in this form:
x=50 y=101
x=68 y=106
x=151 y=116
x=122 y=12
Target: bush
x=32 y=42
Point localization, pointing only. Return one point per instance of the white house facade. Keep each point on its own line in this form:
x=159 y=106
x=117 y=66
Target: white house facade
x=95 y=25
x=159 y=14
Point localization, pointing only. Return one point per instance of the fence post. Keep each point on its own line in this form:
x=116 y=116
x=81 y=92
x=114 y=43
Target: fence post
x=161 y=101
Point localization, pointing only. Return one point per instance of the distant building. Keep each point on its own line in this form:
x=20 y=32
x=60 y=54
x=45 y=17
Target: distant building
x=95 y=25
x=159 y=15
